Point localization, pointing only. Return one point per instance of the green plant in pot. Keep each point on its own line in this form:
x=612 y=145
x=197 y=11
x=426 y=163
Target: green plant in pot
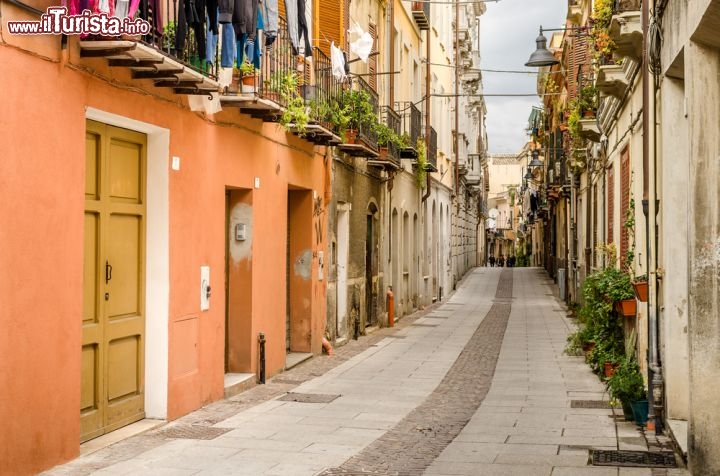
x=295 y=116
x=360 y=109
x=627 y=384
x=421 y=166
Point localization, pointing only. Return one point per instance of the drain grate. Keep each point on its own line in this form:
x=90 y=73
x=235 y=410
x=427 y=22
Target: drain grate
x=589 y=404
x=421 y=324
x=637 y=459
x=193 y=432
x=307 y=397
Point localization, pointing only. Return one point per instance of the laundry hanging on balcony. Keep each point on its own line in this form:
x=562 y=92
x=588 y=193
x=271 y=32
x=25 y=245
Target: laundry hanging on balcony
x=337 y=61
x=297 y=27
x=362 y=44
x=270 y=16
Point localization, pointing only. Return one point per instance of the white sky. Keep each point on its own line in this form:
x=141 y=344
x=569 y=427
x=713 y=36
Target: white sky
x=507 y=38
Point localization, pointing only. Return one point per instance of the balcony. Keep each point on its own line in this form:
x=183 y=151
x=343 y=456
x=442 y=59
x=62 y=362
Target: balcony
x=410 y=126
x=589 y=129
x=389 y=153
x=263 y=99
x=611 y=80
x=574 y=13
x=365 y=143
x=421 y=14
x=147 y=62
x=626 y=32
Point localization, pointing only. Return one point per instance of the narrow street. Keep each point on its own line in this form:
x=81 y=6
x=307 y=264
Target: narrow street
x=477 y=385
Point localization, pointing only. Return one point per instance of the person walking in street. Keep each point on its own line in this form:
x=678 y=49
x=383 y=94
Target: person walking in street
x=501 y=260
x=491 y=259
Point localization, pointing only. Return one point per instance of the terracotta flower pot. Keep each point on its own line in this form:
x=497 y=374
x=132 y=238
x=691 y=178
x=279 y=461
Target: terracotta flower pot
x=627 y=307
x=641 y=290
x=248 y=84
x=609 y=369
x=351 y=136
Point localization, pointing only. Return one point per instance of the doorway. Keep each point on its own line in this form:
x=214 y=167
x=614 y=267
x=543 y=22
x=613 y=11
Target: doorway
x=238 y=281
x=113 y=319
x=343 y=243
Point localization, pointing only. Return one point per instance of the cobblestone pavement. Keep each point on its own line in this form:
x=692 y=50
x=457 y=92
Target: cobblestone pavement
x=413 y=444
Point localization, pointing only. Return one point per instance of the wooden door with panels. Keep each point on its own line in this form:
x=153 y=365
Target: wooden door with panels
x=113 y=322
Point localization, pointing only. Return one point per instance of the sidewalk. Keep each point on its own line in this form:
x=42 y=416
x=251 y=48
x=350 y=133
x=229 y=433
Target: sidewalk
x=442 y=393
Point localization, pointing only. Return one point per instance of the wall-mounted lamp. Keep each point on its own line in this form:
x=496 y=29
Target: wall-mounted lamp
x=542 y=56
x=535 y=162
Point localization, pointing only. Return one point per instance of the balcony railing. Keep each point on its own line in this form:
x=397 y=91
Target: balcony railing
x=366 y=132
x=391 y=155
x=421 y=14
x=410 y=126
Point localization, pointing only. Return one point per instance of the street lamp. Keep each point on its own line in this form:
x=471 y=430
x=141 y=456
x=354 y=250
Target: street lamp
x=535 y=162
x=541 y=56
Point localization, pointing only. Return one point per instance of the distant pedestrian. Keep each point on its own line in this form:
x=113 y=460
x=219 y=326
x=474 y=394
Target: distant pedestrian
x=501 y=261
x=511 y=261
x=491 y=259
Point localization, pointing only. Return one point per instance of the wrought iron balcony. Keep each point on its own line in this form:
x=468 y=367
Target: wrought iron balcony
x=421 y=14
x=389 y=153
x=410 y=126
x=622 y=6
x=365 y=144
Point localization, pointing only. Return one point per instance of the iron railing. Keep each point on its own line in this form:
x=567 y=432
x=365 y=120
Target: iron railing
x=410 y=121
x=277 y=64
x=367 y=132
x=392 y=120
x=322 y=89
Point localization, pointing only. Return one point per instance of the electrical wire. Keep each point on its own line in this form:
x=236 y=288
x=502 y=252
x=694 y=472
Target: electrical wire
x=655 y=40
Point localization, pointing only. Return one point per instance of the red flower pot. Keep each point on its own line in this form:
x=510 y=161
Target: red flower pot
x=641 y=290
x=627 y=307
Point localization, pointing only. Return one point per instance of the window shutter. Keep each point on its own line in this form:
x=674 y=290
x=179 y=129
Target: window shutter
x=624 y=201
x=331 y=23
x=372 y=60
x=579 y=65
x=610 y=205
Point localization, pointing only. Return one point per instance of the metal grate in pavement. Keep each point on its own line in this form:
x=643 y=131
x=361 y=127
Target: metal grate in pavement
x=307 y=397
x=347 y=472
x=637 y=459
x=589 y=404
x=422 y=324
x=193 y=432
x=287 y=381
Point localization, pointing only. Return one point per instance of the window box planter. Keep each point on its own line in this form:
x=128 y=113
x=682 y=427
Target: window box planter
x=626 y=307
x=641 y=290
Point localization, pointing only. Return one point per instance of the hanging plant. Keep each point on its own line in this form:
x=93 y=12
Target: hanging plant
x=603 y=45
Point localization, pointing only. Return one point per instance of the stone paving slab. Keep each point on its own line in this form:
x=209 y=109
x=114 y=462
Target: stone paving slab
x=477 y=385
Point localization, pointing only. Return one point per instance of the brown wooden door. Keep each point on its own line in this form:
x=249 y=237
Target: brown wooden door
x=113 y=322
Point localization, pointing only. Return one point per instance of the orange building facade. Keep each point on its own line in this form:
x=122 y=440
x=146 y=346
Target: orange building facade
x=142 y=249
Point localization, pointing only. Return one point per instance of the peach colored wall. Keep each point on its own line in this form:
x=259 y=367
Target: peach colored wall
x=42 y=137
x=301 y=265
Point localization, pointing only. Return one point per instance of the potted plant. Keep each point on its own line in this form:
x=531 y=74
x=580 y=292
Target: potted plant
x=247 y=77
x=361 y=114
x=421 y=164
x=587 y=100
x=386 y=138
x=295 y=116
x=640 y=285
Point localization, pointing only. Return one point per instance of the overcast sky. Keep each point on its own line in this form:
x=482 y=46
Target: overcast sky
x=507 y=38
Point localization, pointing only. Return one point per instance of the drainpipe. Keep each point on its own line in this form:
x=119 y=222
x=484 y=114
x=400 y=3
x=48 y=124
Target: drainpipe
x=427 y=113
x=391 y=48
x=457 y=100
x=655 y=383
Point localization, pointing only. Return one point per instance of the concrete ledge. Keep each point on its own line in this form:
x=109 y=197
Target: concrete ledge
x=678 y=430
x=238 y=383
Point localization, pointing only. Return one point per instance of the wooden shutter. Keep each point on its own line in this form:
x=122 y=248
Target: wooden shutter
x=579 y=65
x=624 y=201
x=281 y=9
x=372 y=61
x=331 y=21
